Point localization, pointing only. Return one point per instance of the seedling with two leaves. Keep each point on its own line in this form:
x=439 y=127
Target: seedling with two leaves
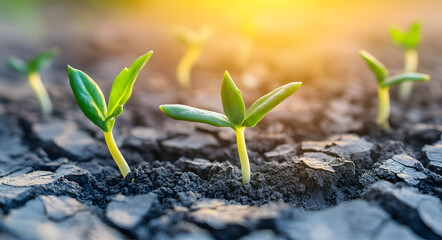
x=385 y=82
x=235 y=116
x=194 y=40
x=408 y=41
x=31 y=69
x=91 y=101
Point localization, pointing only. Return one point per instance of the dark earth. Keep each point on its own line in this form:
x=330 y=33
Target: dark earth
x=321 y=168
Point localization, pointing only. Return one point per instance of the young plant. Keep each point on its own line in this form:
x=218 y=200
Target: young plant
x=235 y=116
x=385 y=82
x=408 y=41
x=31 y=69
x=194 y=42
x=91 y=101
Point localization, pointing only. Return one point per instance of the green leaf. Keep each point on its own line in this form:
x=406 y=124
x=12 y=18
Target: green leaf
x=117 y=112
x=191 y=114
x=191 y=37
x=18 y=65
x=185 y=35
x=397 y=36
x=109 y=123
x=89 y=97
x=379 y=70
x=266 y=103
x=233 y=103
x=406 y=77
x=407 y=40
x=42 y=60
x=124 y=82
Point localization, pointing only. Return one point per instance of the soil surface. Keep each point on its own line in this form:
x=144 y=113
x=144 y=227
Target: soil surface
x=321 y=169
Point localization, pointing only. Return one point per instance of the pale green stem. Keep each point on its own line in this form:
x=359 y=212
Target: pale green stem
x=42 y=95
x=243 y=157
x=185 y=65
x=384 y=107
x=116 y=154
x=411 y=61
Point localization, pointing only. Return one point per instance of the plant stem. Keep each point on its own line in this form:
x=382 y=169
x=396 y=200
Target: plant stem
x=186 y=64
x=116 y=154
x=384 y=107
x=411 y=61
x=42 y=95
x=243 y=157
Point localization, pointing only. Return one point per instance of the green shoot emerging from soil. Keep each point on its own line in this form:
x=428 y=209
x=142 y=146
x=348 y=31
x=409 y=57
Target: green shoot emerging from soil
x=235 y=116
x=194 y=42
x=91 y=101
x=384 y=84
x=31 y=69
x=408 y=41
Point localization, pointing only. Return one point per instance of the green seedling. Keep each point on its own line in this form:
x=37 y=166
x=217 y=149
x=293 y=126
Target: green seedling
x=408 y=41
x=385 y=82
x=91 y=101
x=194 y=42
x=235 y=116
x=31 y=69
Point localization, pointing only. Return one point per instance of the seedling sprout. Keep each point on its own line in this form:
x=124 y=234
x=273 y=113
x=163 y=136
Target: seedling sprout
x=408 y=41
x=194 y=40
x=385 y=82
x=235 y=116
x=91 y=101
x=31 y=69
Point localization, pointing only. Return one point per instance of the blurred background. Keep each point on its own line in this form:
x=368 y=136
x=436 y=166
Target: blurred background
x=262 y=43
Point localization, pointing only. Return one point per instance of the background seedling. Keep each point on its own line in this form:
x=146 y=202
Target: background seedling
x=91 y=101
x=31 y=69
x=235 y=116
x=408 y=41
x=384 y=84
x=194 y=40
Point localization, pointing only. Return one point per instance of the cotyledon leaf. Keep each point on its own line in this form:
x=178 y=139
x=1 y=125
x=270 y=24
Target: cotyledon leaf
x=124 y=82
x=397 y=36
x=406 y=77
x=89 y=97
x=409 y=39
x=42 y=60
x=233 y=104
x=379 y=70
x=191 y=114
x=117 y=112
x=18 y=65
x=266 y=103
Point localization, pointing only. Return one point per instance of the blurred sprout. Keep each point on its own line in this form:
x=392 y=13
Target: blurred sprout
x=91 y=101
x=194 y=40
x=384 y=84
x=31 y=69
x=235 y=116
x=408 y=41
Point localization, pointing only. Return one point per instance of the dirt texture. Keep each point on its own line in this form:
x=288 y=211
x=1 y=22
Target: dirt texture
x=321 y=168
